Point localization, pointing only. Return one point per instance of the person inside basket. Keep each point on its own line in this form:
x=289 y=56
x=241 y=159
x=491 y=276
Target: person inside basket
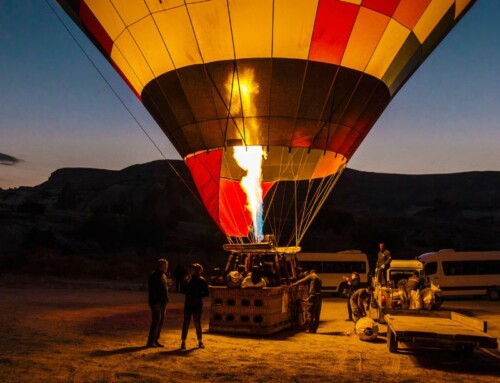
x=235 y=277
x=254 y=279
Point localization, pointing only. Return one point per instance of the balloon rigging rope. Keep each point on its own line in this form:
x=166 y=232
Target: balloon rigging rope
x=319 y=201
x=123 y=102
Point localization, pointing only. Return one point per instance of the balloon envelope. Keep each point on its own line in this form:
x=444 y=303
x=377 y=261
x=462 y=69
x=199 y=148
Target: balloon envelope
x=305 y=79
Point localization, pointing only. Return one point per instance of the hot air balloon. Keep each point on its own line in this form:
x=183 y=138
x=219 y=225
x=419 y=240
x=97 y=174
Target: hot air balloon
x=298 y=83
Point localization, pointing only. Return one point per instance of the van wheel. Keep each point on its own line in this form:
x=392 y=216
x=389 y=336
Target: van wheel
x=493 y=293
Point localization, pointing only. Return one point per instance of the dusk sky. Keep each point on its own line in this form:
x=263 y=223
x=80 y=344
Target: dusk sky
x=56 y=110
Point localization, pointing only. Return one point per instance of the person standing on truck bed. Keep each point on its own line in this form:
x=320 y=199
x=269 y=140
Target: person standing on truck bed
x=359 y=301
x=383 y=263
x=314 y=283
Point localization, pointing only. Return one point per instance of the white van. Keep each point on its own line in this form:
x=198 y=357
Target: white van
x=464 y=273
x=331 y=268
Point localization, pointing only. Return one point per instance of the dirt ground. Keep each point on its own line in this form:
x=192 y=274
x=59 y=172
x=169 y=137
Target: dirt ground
x=65 y=331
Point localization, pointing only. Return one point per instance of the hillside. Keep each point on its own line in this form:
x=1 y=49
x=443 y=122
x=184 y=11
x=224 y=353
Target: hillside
x=102 y=222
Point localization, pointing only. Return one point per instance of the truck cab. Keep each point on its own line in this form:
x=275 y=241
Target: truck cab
x=394 y=294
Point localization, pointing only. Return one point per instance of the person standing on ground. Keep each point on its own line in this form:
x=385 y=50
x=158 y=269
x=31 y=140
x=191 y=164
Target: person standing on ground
x=383 y=263
x=352 y=285
x=195 y=288
x=313 y=282
x=158 y=299
x=361 y=298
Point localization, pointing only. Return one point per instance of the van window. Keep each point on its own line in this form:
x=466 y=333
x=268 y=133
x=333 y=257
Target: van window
x=431 y=268
x=344 y=267
x=308 y=265
x=471 y=267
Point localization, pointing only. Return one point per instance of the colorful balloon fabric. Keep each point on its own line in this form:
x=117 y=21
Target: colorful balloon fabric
x=304 y=79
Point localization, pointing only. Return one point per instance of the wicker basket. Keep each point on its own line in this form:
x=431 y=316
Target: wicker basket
x=258 y=311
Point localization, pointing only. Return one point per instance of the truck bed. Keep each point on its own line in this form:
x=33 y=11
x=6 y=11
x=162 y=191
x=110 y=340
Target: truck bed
x=446 y=329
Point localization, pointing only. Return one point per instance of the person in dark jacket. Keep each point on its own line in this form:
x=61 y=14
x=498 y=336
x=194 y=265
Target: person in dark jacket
x=352 y=285
x=158 y=299
x=383 y=263
x=313 y=282
x=195 y=288
x=362 y=297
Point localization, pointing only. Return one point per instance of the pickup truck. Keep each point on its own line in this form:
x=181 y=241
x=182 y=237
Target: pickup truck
x=393 y=296
x=438 y=329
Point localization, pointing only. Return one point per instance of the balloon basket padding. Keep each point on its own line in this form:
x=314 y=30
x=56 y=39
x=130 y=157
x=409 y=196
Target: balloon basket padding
x=253 y=311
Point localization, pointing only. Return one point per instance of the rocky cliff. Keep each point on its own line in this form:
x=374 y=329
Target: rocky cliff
x=102 y=222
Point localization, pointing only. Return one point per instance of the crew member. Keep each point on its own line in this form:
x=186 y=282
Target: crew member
x=383 y=263
x=313 y=282
x=352 y=285
x=359 y=300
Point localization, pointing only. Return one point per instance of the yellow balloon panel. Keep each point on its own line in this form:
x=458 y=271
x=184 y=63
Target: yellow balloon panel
x=293 y=42
x=151 y=45
x=177 y=35
x=129 y=59
x=390 y=44
x=460 y=6
x=107 y=16
x=130 y=11
x=431 y=17
x=251 y=22
x=211 y=26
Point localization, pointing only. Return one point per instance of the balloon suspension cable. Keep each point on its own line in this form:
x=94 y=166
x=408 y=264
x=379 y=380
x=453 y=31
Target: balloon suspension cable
x=123 y=102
